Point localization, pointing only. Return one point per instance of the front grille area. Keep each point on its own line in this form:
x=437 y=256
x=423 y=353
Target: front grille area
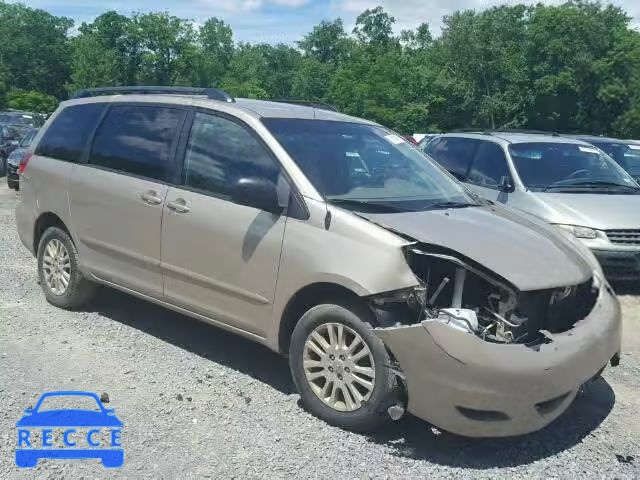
x=624 y=237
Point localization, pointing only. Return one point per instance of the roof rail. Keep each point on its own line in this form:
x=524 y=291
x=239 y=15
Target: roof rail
x=524 y=130
x=305 y=103
x=212 y=93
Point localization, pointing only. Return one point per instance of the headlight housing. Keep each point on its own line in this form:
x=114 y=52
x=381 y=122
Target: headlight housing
x=579 y=232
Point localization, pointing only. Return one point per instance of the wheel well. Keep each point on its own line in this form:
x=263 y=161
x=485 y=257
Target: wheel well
x=45 y=221
x=303 y=300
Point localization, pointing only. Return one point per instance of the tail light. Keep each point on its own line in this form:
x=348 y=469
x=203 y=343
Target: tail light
x=23 y=162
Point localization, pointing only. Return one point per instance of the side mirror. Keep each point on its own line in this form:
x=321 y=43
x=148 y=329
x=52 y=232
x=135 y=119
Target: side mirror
x=506 y=185
x=257 y=193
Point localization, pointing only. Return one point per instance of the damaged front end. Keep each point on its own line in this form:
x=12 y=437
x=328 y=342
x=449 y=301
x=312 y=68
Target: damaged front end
x=479 y=357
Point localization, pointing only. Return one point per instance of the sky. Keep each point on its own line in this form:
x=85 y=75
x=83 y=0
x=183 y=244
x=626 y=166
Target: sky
x=275 y=21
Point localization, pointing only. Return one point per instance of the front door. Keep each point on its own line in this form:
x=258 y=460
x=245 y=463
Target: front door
x=220 y=258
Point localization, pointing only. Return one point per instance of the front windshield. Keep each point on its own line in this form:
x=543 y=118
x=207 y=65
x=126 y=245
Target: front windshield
x=365 y=166
x=625 y=155
x=569 y=167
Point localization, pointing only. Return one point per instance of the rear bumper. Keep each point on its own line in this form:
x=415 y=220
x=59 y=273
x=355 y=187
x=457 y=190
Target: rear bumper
x=619 y=265
x=470 y=387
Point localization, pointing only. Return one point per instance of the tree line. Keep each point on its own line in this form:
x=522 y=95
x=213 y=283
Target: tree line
x=568 y=68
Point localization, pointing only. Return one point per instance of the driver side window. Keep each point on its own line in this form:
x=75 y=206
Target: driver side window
x=221 y=151
x=489 y=166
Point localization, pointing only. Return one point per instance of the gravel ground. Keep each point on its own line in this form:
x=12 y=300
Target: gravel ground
x=199 y=402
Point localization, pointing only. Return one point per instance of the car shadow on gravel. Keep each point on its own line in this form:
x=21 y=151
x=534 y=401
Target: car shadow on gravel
x=415 y=439
x=197 y=337
x=408 y=438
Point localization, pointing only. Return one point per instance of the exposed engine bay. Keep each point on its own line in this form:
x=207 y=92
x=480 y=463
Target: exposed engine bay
x=457 y=291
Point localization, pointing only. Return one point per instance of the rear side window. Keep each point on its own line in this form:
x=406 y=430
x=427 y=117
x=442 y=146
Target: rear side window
x=139 y=140
x=454 y=154
x=220 y=152
x=67 y=136
x=490 y=167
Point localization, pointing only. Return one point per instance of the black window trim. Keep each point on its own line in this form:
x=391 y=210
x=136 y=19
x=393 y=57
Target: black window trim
x=297 y=207
x=172 y=163
x=475 y=157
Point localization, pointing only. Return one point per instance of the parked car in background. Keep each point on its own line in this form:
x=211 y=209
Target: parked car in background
x=27 y=119
x=10 y=136
x=326 y=237
x=567 y=182
x=423 y=137
x=626 y=153
x=17 y=156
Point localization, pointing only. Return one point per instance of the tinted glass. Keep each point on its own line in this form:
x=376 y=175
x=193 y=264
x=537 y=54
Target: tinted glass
x=139 y=140
x=454 y=154
x=626 y=155
x=28 y=138
x=489 y=167
x=566 y=166
x=67 y=136
x=220 y=152
x=363 y=164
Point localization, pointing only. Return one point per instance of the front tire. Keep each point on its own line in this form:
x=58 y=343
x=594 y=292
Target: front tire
x=58 y=269
x=341 y=368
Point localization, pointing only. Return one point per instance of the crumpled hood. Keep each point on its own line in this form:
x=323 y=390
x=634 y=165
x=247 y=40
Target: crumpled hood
x=602 y=212
x=527 y=253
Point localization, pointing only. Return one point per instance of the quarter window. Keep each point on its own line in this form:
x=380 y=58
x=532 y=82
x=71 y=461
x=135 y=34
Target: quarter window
x=67 y=136
x=489 y=167
x=220 y=152
x=138 y=140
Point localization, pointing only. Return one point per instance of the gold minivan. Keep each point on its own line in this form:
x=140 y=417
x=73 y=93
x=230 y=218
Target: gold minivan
x=390 y=286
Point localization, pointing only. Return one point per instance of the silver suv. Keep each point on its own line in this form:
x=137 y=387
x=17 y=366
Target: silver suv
x=564 y=181
x=390 y=286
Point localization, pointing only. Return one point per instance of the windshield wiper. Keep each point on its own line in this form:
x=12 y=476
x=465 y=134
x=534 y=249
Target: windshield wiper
x=590 y=183
x=443 y=205
x=365 y=205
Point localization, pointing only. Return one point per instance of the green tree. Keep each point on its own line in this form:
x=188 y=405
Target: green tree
x=31 y=101
x=582 y=59
x=164 y=40
x=327 y=43
x=374 y=27
x=34 y=48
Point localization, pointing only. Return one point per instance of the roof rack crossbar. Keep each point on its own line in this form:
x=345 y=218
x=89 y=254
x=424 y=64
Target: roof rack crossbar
x=212 y=93
x=305 y=103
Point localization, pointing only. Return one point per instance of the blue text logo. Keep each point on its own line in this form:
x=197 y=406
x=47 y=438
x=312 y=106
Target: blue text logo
x=69 y=433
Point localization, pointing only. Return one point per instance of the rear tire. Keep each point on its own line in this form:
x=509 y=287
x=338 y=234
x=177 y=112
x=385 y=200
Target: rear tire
x=13 y=184
x=58 y=269
x=3 y=167
x=356 y=407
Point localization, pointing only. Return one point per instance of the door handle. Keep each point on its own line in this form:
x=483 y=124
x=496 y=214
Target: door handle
x=179 y=205
x=150 y=198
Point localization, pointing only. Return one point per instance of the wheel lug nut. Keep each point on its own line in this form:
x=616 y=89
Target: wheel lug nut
x=331 y=369
x=339 y=376
x=331 y=357
x=347 y=369
x=342 y=357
